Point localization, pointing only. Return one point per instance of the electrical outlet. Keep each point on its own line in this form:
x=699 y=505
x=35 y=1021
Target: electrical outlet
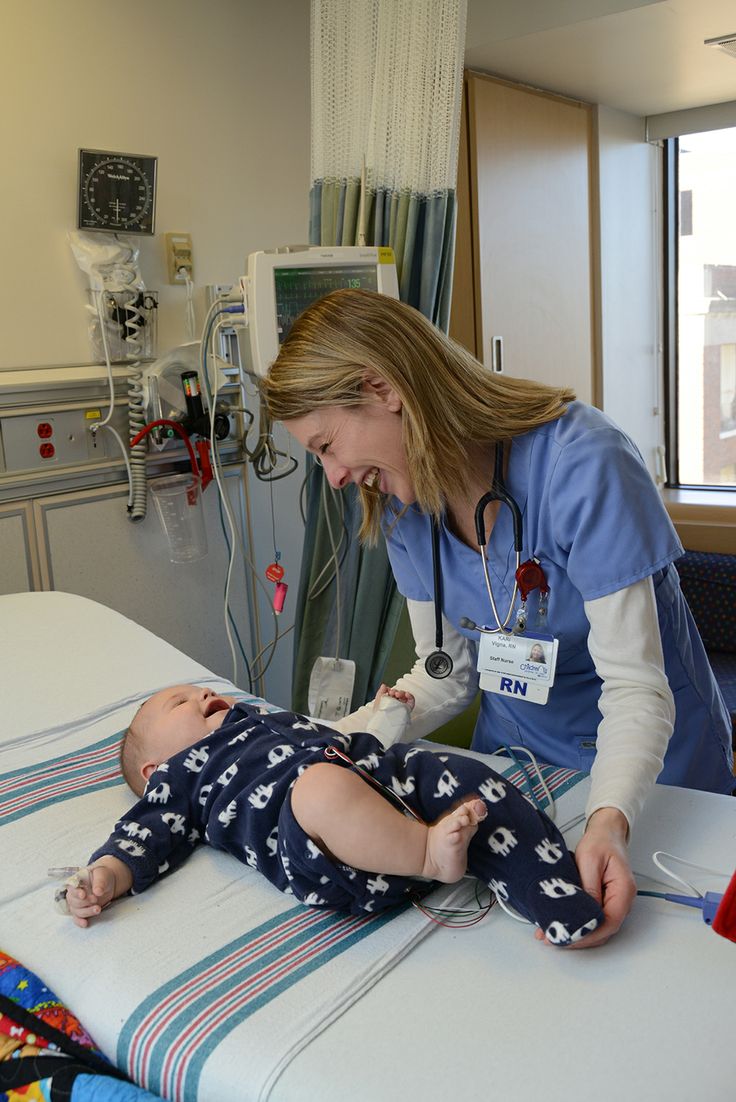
x=179 y=259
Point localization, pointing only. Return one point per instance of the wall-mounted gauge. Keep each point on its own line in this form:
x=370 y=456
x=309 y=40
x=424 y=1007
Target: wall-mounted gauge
x=117 y=192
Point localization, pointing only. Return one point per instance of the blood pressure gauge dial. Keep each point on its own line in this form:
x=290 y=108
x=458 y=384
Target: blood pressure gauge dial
x=117 y=192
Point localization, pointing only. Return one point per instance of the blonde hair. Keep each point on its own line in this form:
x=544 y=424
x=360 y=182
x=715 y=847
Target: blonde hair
x=451 y=403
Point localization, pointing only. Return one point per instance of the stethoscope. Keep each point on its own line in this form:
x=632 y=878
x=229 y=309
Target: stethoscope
x=439 y=664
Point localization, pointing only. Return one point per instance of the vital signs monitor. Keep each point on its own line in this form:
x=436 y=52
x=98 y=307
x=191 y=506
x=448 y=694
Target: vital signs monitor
x=280 y=285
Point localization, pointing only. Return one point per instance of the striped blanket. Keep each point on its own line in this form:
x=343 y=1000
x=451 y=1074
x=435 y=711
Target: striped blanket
x=230 y=979
x=206 y=986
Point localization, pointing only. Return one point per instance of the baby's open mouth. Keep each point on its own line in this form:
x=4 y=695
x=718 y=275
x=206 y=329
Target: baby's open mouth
x=215 y=704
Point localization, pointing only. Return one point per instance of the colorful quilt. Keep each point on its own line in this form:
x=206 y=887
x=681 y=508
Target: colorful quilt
x=46 y=1054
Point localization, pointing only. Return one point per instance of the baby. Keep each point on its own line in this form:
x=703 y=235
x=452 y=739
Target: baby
x=335 y=820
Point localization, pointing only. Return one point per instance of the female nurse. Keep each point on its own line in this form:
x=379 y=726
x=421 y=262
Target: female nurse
x=385 y=401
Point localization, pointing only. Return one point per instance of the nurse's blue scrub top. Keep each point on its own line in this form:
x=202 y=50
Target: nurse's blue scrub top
x=594 y=519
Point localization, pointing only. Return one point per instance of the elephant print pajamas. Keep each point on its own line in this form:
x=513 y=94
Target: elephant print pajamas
x=232 y=790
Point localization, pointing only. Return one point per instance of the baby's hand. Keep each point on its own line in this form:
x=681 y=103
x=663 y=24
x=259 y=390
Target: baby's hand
x=397 y=694
x=96 y=888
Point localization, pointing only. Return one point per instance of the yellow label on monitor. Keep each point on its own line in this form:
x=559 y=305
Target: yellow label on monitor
x=92 y=414
x=386 y=255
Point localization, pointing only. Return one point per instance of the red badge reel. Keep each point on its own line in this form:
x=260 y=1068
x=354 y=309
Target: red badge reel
x=530 y=576
x=275 y=573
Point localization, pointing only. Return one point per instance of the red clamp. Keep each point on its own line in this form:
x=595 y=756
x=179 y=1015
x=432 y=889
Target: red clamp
x=205 y=466
x=192 y=489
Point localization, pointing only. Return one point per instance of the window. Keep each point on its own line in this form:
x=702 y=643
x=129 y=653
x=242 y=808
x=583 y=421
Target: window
x=728 y=389
x=701 y=301
x=686 y=213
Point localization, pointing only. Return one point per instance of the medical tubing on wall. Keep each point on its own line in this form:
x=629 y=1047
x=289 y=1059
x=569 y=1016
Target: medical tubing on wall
x=265 y=456
x=136 y=422
x=212 y=321
x=209 y=346
x=178 y=429
x=225 y=507
x=333 y=546
x=105 y=424
x=255 y=675
x=132 y=325
x=335 y=560
x=230 y=545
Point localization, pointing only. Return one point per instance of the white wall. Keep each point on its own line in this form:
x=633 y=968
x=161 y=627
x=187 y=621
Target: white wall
x=630 y=213
x=218 y=90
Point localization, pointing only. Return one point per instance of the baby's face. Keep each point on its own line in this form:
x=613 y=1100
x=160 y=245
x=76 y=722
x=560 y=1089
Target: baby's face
x=176 y=718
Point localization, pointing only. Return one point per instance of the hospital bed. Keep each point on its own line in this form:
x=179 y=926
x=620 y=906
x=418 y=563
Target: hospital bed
x=213 y=985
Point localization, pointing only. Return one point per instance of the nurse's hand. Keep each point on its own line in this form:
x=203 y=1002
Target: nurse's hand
x=603 y=863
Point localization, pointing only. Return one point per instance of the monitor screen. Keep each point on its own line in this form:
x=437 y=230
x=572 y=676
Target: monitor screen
x=298 y=288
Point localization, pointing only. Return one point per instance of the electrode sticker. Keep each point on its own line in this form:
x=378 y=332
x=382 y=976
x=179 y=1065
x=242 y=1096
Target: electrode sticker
x=529 y=657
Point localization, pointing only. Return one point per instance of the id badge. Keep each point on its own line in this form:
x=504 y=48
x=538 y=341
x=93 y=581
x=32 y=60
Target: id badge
x=520 y=666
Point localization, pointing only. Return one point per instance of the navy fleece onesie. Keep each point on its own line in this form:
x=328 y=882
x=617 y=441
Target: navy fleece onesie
x=231 y=790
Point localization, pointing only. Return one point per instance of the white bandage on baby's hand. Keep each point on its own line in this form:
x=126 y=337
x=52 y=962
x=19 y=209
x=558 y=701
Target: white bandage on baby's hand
x=390 y=720
x=76 y=877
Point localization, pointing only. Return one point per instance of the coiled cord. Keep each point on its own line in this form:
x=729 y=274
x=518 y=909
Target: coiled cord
x=136 y=421
x=132 y=323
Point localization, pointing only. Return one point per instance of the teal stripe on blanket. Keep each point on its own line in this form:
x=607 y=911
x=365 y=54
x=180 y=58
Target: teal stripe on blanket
x=558 y=779
x=32 y=788
x=166 y=1041
x=24 y=791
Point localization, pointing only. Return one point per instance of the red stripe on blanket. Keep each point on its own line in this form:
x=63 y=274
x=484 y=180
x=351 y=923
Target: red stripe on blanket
x=62 y=766
x=172 y=1005
x=44 y=795
x=245 y=992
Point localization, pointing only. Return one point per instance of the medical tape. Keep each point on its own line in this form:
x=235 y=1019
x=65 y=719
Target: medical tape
x=76 y=877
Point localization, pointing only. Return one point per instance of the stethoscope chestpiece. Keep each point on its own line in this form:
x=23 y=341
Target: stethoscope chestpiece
x=438 y=664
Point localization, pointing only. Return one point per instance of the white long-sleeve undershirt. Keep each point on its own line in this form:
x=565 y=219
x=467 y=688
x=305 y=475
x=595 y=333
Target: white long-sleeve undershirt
x=436 y=701
x=636 y=702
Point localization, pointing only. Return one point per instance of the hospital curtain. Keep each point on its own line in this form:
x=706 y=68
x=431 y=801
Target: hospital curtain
x=386 y=86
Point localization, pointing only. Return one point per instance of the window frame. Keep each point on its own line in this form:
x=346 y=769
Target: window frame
x=670 y=311
x=670 y=238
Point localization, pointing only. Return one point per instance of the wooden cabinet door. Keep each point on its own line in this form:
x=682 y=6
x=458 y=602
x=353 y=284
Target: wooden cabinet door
x=528 y=187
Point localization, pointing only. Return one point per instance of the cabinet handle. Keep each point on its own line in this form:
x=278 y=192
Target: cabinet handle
x=497 y=354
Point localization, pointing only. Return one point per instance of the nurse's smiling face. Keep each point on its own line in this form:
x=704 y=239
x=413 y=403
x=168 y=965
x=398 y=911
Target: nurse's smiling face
x=361 y=444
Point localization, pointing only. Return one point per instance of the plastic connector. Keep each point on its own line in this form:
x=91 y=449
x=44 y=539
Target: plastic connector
x=711 y=903
x=707 y=904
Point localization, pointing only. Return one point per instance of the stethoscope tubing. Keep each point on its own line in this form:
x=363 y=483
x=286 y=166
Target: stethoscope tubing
x=439 y=664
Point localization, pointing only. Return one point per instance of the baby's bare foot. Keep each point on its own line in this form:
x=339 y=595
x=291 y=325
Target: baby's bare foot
x=446 y=857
